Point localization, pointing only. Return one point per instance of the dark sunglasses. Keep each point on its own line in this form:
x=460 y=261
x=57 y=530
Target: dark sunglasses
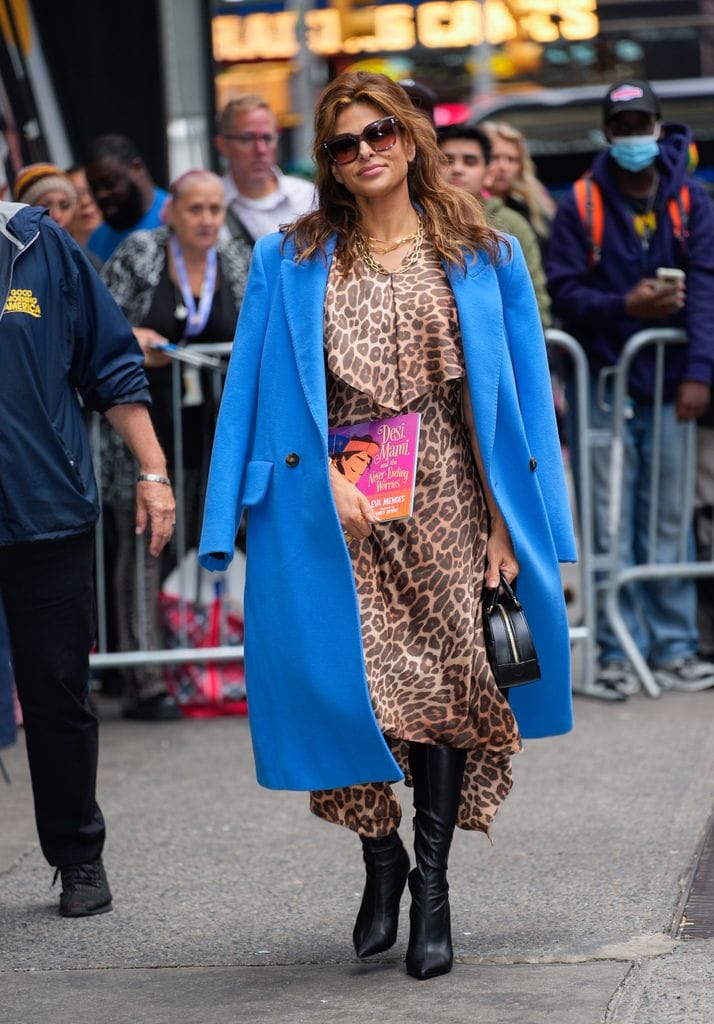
x=379 y=135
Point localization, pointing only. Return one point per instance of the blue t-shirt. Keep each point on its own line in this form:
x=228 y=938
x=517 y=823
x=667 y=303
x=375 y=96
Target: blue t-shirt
x=105 y=239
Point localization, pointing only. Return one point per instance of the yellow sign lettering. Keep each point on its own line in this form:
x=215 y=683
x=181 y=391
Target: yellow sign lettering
x=580 y=20
x=323 y=34
x=435 y=24
x=500 y=22
x=442 y=24
x=394 y=24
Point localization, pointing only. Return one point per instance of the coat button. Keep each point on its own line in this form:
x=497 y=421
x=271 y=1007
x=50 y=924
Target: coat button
x=533 y=464
x=292 y=459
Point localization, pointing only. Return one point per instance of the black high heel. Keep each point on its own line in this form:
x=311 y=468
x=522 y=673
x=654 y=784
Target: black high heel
x=437 y=773
x=387 y=864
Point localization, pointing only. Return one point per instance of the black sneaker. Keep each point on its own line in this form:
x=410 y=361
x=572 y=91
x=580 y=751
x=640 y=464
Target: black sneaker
x=85 y=890
x=162 y=707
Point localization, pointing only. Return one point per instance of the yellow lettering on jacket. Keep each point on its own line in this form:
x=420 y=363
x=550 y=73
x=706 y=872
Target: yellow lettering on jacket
x=21 y=300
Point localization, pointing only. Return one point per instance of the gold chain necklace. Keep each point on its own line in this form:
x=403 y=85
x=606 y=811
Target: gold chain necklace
x=406 y=263
x=389 y=246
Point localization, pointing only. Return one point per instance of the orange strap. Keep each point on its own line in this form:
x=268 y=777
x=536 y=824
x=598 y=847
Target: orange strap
x=679 y=207
x=588 y=200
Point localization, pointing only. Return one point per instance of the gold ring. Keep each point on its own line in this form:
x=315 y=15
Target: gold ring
x=348 y=536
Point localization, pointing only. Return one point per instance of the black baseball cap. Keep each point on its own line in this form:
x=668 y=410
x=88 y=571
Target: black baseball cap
x=631 y=95
x=422 y=96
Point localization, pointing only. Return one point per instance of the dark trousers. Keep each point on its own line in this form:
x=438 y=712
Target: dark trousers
x=47 y=590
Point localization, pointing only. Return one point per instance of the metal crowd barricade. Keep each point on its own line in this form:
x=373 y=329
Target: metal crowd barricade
x=207 y=357
x=580 y=444
x=618 y=577
x=599 y=573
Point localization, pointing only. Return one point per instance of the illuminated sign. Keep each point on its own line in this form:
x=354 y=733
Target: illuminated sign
x=400 y=27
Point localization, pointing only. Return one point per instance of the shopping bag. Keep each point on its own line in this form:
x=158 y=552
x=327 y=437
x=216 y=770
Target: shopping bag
x=204 y=689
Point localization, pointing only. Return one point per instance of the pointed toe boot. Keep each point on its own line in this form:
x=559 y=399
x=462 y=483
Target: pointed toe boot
x=387 y=865
x=437 y=773
x=430 y=952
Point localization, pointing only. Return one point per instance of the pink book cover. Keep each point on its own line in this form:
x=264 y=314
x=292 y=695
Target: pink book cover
x=379 y=457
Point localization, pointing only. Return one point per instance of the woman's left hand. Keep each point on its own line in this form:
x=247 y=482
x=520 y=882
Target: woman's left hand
x=148 y=339
x=353 y=508
x=500 y=557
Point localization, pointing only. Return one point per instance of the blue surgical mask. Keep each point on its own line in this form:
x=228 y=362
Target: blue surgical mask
x=635 y=152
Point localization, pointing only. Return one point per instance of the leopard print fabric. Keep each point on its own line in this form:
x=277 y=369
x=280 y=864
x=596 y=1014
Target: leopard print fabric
x=392 y=344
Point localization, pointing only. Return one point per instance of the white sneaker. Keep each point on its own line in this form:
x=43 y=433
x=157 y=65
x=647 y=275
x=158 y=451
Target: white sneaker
x=615 y=681
x=689 y=675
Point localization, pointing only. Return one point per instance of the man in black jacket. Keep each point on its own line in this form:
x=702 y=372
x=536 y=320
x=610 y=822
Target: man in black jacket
x=63 y=336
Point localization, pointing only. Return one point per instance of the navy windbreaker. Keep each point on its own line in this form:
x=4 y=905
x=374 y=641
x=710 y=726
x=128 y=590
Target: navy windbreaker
x=61 y=335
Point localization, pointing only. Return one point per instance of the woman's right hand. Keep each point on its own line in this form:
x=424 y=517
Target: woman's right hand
x=353 y=508
x=147 y=338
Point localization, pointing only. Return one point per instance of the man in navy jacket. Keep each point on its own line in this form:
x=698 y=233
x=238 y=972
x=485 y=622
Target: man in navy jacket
x=62 y=339
x=605 y=289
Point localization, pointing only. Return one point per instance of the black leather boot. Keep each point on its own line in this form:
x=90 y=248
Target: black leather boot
x=437 y=773
x=387 y=864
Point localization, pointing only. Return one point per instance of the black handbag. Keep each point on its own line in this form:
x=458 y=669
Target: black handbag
x=509 y=644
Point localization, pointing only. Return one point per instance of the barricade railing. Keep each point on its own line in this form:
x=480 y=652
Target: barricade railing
x=211 y=360
x=648 y=569
x=582 y=632
x=601 y=575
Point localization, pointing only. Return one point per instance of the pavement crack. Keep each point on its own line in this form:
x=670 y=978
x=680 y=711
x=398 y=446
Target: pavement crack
x=616 y=997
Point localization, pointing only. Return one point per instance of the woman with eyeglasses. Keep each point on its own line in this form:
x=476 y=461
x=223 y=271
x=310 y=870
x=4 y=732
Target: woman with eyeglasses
x=392 y=297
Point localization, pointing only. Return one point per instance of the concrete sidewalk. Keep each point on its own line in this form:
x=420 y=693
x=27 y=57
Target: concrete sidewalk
x=232 y=904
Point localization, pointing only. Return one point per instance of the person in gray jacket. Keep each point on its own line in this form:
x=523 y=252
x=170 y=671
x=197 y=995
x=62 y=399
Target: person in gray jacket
x=63 y=339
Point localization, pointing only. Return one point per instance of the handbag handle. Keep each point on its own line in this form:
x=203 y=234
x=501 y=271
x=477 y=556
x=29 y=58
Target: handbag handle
x=491 y=595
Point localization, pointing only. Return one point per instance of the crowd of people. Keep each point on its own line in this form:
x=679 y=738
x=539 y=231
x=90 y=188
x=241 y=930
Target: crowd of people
x=415 y=275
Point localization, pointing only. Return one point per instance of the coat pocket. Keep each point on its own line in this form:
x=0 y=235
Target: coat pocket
x=257 y=478
x=72 y=460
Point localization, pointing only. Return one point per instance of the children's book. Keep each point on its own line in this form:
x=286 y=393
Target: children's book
x=379 y=457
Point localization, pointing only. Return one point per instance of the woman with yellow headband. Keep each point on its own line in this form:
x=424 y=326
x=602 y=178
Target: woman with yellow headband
x=45 y=184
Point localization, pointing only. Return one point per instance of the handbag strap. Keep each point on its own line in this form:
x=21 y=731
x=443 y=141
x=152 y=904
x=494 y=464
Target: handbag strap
x=510 y=593
x=490 y=595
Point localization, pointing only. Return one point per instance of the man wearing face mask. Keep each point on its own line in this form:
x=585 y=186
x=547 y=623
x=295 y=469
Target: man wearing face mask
x=604 y=287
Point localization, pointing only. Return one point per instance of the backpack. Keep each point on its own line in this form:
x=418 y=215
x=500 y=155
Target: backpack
x=591 y=209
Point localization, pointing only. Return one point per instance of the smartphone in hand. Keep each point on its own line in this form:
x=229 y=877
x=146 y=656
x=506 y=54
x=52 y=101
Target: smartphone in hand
x=670 y=277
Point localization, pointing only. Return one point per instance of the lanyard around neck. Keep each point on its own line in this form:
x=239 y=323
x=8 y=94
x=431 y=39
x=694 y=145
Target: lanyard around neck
x=197 y=317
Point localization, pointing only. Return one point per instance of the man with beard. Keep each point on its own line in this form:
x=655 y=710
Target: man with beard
x=122 y=186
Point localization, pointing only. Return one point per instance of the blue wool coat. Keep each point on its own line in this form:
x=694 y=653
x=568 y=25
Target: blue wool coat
x=311 y=718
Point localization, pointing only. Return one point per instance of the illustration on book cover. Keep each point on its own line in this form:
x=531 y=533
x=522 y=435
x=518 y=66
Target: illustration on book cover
x=379 y=457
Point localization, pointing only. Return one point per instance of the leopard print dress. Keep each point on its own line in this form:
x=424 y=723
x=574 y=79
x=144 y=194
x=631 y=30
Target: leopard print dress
x=392 y=345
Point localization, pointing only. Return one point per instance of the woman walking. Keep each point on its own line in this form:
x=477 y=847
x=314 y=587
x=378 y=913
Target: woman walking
x=393 y=296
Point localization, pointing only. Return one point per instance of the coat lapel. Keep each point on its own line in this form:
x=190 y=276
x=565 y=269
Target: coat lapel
x=478 y=300
x=303 y=286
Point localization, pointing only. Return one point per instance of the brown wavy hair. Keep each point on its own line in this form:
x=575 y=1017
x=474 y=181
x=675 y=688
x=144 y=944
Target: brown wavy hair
x=454 y=221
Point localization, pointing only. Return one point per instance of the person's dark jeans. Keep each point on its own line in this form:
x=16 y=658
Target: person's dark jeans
x=48 y=594
x=7 y=711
